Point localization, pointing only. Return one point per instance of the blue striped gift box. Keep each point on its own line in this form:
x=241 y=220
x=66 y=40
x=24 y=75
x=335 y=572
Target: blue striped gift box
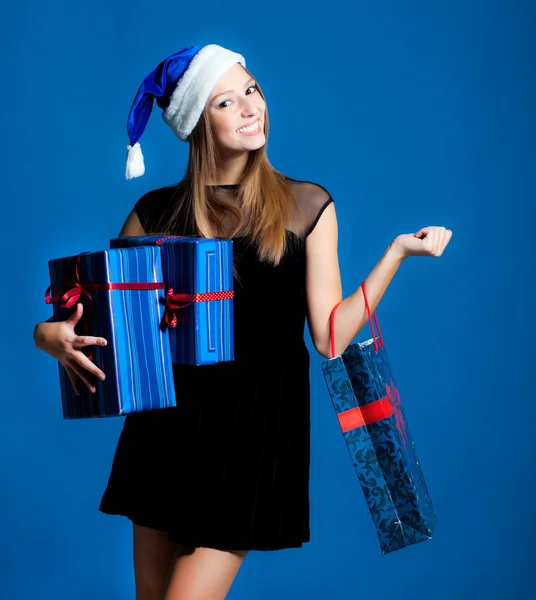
x=137 y=358
x=205 y=330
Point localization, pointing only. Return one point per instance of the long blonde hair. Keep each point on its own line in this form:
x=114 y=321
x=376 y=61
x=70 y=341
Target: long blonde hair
x=267 y=206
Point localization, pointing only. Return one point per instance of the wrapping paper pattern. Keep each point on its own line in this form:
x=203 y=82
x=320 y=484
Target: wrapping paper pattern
x=137 y=359
x=204 y=333
x=383 y=452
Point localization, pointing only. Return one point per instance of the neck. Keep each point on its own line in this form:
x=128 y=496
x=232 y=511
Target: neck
x=230 y=168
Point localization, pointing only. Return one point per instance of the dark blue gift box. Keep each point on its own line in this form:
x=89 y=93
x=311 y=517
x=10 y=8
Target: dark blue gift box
x=121 y=291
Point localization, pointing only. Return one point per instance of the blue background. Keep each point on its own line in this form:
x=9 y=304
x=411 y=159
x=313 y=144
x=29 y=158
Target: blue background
x=411 y=114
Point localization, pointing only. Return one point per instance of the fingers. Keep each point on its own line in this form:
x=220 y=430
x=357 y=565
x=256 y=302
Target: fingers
x=444 y=236
x=84 y=376
x=436 y=234
x=422 y=232
x=74 y=379
x=443 y=239
x=83 y=361
x=88 y=340
x=77 y=314
x=438 y=238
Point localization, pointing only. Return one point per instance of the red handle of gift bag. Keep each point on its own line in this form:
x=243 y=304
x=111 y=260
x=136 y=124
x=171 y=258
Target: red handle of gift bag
x=332 y=324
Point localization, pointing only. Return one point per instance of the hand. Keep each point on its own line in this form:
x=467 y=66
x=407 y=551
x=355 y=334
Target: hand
x=61 y=342
x=428 y=241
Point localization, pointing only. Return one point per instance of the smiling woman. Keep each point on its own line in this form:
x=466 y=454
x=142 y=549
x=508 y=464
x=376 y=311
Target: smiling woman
x=227 y=470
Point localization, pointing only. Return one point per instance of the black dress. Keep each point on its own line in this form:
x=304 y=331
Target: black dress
x=228 y=468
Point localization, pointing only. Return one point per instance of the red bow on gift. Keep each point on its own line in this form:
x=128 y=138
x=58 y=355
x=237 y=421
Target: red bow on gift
x=71 y=291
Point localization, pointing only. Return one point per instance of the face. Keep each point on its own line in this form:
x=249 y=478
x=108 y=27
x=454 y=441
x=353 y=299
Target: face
x=235 y=103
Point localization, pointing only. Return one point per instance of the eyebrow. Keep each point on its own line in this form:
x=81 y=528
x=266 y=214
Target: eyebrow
x=227 y=91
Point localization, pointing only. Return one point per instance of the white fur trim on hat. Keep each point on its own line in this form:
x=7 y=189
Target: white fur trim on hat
x=194 y=87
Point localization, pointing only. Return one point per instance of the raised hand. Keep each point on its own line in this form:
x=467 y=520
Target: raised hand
x=428 y=241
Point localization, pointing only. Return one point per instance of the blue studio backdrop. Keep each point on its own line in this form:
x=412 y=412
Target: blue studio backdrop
x=411 y=114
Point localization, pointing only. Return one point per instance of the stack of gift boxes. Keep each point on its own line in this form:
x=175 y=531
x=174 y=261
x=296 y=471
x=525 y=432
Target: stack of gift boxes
x=157 y=301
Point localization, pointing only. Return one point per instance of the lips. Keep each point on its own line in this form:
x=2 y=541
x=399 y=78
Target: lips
x=248 y=125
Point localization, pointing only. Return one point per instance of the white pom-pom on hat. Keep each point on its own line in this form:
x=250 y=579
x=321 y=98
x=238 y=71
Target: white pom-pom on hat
x=135 y=164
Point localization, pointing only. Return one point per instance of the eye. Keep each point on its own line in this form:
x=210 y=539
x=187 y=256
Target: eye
x=221 y=104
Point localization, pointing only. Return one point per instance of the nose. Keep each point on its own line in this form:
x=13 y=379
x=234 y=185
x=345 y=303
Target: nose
x=248 y=114
x=249 y=109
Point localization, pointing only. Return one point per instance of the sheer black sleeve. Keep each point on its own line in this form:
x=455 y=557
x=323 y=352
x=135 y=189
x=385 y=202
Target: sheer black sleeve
x=312 y=199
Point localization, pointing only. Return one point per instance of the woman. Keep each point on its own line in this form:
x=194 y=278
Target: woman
x=227 y=470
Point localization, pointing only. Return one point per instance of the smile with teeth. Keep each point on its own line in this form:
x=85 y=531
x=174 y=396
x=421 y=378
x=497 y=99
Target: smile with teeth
x=251 y=130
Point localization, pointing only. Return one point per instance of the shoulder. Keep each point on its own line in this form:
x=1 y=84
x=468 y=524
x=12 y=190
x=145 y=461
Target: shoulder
x=159 y=196
x=309 y=189
x=312 y=198
x=153 y=204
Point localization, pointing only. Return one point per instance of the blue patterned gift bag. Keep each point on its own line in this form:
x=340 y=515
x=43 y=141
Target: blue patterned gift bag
x=366 y=400
x=121 y=292
x=198 y=274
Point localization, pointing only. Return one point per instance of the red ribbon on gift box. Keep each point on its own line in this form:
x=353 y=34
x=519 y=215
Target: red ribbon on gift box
x=74 y=290
x=169 y=237
x=172 y=300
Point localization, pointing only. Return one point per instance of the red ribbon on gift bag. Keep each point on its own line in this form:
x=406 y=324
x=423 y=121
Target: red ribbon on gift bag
x=379 y=409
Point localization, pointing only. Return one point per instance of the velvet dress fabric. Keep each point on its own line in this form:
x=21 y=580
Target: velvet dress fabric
x=228 y=467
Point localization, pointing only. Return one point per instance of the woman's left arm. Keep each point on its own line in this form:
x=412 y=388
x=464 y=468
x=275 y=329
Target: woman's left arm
x=323 y=280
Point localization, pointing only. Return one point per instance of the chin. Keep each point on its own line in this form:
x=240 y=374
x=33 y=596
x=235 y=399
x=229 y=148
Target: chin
x=256 y=144
x=234 y=145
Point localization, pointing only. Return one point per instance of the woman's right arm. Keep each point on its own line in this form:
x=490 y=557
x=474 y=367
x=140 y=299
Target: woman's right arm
x=62 y=343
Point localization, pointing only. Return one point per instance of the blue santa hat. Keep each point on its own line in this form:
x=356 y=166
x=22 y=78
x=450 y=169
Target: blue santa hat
x=181 y=85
